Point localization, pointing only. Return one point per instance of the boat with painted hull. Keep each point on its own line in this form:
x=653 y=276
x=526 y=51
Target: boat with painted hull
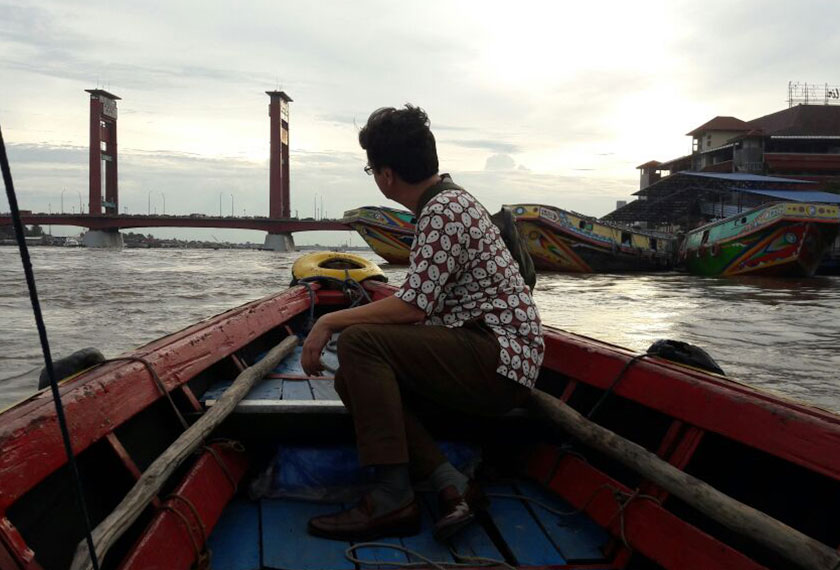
x=777 y=456
x=560 y=240
x=782 y=239
x=388 y=231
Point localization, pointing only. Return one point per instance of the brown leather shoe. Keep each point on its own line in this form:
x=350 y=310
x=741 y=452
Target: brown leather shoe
x=359 y=524
x=456 y=511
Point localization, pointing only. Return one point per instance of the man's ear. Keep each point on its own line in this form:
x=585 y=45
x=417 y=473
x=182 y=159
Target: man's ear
x=388 y=176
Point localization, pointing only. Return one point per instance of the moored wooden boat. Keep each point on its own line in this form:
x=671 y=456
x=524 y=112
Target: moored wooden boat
x=782 y=239
x=560 y=240
x=774 y=455
x=389 y=232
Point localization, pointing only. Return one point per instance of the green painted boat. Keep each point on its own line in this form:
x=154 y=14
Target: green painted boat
x=780 y=239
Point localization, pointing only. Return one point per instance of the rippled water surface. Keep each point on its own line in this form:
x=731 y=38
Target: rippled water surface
x=777 y=334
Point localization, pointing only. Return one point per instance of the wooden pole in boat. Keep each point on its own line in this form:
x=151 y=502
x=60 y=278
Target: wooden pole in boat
x=148 y=485
x=800 y=549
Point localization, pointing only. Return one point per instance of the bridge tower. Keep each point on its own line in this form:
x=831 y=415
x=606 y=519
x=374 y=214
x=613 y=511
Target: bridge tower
x=278 y=178
x=103 y=149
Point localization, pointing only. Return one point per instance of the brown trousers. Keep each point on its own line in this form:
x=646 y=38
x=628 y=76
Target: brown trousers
x=383 y=369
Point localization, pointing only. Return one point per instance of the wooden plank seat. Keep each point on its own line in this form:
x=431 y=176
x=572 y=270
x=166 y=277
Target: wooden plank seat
x=288 y=390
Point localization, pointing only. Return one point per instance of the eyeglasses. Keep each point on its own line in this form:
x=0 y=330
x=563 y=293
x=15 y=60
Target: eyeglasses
x=368 y=170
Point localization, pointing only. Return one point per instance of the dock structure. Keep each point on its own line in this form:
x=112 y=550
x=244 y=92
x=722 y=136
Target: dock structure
x=737 y=165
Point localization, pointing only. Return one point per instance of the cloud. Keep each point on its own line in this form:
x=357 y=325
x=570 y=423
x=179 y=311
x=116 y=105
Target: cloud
x=500 y=162
x=496 y=145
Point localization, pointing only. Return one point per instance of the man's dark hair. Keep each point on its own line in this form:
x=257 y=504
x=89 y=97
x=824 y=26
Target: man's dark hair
x=400 y=139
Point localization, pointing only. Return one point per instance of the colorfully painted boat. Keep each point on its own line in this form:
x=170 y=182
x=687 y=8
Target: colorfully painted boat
x=782 y=239
x=389 y=232
x=557 y=502
x=559 y=240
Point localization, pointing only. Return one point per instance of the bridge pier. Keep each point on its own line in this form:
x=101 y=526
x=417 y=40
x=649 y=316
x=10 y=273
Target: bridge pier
x=279 y=242
x=111 y=239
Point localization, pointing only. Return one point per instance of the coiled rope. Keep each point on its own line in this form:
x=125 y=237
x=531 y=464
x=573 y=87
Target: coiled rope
x=45 y=346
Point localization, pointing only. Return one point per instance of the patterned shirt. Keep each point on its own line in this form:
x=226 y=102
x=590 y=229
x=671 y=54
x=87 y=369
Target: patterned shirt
x=460 y=270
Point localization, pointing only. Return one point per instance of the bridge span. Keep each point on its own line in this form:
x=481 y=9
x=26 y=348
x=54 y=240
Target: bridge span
x=105 y=227
x=110 y=222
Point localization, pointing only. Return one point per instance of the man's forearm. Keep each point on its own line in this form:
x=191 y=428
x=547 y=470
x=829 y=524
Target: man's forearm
x=389 y=310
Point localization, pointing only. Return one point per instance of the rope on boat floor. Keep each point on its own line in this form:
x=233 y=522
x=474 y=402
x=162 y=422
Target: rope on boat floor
x=622 y=498
x=468 y=561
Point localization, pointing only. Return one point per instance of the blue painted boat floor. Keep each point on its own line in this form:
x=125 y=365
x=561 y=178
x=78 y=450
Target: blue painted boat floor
x=271 y=533
x=295 y=386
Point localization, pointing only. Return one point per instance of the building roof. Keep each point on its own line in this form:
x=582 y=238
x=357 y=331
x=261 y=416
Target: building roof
x=649 y=164
x=665 y=165
x=281 y=94
x=97 y=92
x=797 y=195
x=801 y=120
x=743 y=177
x=721 y=124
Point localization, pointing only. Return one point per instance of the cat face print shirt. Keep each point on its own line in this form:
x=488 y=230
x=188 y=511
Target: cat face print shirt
x=460 y=270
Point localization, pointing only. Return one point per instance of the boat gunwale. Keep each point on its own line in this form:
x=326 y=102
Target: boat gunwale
x=395 y=229
x=602 y=246
x=783 y=217
x=613 y=225
x=100 y=400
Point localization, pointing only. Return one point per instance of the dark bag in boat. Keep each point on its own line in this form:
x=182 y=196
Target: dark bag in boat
x=504 y=220
x=506 y=223
x=684 y=353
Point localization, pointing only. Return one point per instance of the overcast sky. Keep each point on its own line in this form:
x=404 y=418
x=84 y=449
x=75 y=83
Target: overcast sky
x=550 y=102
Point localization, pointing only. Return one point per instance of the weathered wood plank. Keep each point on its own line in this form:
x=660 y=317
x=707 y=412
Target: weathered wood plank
x=521 y=532
x=577 y=537
x=286 y=543
x=296 y=390
x=235 y=542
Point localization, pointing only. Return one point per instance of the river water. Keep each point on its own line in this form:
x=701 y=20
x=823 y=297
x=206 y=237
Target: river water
x=781 y=335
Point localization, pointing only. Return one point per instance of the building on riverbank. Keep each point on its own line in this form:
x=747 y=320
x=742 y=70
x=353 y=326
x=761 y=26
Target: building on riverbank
x=793 y=154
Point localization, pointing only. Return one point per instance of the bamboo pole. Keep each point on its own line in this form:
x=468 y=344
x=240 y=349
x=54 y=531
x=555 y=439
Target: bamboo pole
x=147 y=486
x=798 y=548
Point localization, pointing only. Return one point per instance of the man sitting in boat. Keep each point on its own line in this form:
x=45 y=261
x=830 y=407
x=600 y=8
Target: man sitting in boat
x=478 y=352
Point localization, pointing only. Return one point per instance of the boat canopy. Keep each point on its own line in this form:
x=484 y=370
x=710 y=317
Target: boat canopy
x=797 y=195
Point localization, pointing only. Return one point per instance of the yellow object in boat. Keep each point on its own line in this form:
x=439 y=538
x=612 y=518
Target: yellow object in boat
x=335 y=265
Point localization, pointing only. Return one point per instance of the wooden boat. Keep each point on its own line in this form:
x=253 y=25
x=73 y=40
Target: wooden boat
x=389 y=232
x=560 y=240
x=782 y=239
x=777 y=456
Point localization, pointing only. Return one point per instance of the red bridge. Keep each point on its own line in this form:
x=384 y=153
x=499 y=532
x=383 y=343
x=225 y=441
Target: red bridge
x=111 y=222
x=104 y=220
